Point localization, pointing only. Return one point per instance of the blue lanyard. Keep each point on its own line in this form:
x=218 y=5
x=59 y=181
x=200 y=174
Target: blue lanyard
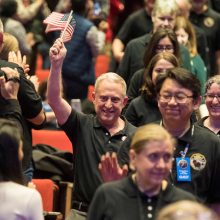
x=183 y=153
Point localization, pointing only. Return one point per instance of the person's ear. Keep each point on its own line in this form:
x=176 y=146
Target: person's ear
x=197 y=103
x=125 y=101
x=153 y=18
x=93 y=97
x=1 y=41
x=20 y=151
x=132 y=156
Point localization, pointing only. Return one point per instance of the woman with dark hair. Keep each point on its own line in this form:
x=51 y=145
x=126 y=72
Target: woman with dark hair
x=17 y=201
x=163 y=40
x=10 y=152
x=143 y=109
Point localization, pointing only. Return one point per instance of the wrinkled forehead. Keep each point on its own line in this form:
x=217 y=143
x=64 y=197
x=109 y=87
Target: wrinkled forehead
x=160 y=145
x=165 y=15
x=111 y=84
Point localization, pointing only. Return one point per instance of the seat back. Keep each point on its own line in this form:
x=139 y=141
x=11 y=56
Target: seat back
x=48 y=191
x=57 y=139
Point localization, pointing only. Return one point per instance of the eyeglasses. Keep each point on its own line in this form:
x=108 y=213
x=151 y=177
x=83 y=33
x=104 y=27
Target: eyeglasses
x=210 y=97
x=179 y=97
x=164 y=47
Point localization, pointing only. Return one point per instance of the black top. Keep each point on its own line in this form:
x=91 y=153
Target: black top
x=142 y=111
x=209 y=21
x=136 y=25
x=121 y=200
x=137 y=80
x=201 y=124
x=90 y=141
x=204 y=154
x=11 y=110
x=31 y=106
x=134 y=55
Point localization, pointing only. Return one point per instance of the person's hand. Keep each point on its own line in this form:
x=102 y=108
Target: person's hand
x=110 y=169
x=57 y=53
x=18 y=59
x=40 y=2
x=9 y=84
x=34 y=79
x=30 y=39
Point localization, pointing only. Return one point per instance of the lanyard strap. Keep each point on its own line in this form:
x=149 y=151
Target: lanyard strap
x=183 y=153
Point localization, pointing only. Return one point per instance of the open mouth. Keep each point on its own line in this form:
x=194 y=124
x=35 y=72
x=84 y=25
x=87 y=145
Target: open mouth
x=108 y=111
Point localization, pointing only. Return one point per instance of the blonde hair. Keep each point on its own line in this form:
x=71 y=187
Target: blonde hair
x=165 y=7
x=186 y=210
x=10 y=44
x=112 y=77
x=184 y=23
x=150 y=132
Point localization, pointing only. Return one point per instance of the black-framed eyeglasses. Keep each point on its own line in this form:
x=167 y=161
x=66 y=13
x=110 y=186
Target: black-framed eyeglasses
x=164 y=47
x=179 y=97
x=210 y=96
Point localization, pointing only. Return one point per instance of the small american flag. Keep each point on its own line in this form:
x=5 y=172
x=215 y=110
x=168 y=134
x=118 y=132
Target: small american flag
x=57 y=22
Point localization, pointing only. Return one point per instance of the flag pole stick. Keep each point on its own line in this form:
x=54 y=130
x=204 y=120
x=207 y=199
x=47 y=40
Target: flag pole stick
x=67 y=23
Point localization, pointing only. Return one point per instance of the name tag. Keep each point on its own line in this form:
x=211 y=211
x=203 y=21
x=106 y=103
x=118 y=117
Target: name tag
x=183 y=169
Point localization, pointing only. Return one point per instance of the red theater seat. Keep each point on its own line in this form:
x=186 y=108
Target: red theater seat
x=48 y=190
x=57 y=139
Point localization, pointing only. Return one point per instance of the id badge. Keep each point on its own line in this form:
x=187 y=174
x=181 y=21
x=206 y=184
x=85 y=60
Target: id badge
x=183 y=169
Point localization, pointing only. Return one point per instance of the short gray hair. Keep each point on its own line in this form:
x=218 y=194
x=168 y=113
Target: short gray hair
x=210 y=81
x=112 y=77
x=165 y=7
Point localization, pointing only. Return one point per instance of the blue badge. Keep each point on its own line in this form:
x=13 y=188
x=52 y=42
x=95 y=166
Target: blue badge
x=183 y=169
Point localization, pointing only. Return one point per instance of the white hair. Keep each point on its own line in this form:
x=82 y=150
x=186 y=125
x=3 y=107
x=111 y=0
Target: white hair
x=112 y=77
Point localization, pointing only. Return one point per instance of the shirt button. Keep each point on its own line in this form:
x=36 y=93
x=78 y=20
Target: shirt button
x=149 y=200
x=149 y=215
x=149 y=208
x=109 y=142
x=106 y=134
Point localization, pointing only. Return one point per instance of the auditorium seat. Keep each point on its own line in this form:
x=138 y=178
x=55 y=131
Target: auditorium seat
x=54 y=138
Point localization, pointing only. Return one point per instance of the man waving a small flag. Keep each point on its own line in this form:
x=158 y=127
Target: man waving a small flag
x=61 y=22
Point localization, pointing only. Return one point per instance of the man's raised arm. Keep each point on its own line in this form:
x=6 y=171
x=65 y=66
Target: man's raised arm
x=60 y=106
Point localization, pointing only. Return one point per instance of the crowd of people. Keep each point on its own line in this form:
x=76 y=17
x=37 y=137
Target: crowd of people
x=150 y=149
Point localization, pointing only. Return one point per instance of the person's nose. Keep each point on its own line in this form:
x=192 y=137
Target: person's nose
x=215 y=100
x=108 y=103
x=161 y=163
x=172 y=101
x=166 y=22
